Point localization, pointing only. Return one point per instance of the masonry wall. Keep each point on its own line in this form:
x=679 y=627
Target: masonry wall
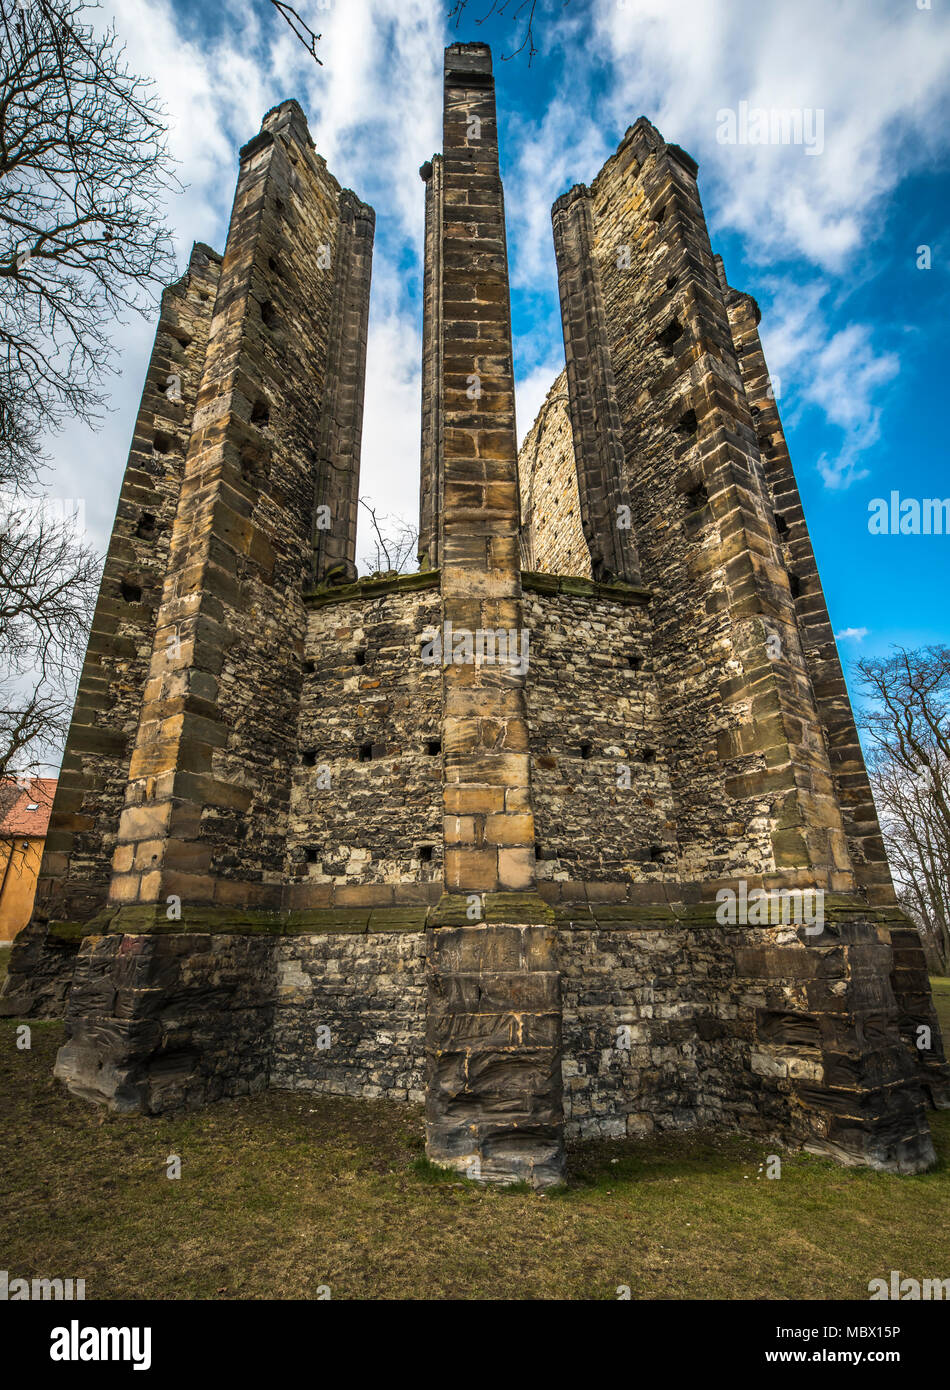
x=366 y=800
x=749 y=1029
x=748 y=764
x=595 y=724
x=552 y=538
x=209 y=789
x=865 y=845
x=368 y=991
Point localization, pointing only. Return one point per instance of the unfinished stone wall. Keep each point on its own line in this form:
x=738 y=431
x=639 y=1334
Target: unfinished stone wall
x=341 y=868
x=76 y=869
x=602 y=804
x=208 y=799
x=552 y=538
x=866 y=852
x=369 y=992
x=366 y=802
x=747 y=751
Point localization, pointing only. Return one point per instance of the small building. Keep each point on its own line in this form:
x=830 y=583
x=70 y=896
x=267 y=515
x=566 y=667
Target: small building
x=24 y=816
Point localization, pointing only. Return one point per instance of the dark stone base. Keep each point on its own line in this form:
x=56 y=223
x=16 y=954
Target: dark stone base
x=39 y=974
x=157 y=1023
x=493 y=1051
x=650 y=1022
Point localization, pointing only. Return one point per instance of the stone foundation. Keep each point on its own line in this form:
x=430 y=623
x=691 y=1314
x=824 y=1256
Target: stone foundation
x=653 y=1019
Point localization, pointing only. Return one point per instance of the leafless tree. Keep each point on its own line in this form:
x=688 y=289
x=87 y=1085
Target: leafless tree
x=48 y=584
x=84 y=171
x=520 y=12
x=394 y=542
x=908 y=722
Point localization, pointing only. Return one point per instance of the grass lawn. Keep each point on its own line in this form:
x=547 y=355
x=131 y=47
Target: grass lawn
x=285 y=1192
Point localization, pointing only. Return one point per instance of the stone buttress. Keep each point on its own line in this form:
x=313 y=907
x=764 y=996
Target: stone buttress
x=493 y=1030
x=765 y=770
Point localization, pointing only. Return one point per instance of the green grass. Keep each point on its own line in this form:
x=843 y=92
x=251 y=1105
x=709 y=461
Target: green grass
x=284 y=1192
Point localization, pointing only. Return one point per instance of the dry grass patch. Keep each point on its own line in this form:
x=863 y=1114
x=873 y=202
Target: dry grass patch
x=285 y=1192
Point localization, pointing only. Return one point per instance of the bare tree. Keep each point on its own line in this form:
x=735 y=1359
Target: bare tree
x=84 y=171
x=48 y=584
x=394 y=542
x=908 y=722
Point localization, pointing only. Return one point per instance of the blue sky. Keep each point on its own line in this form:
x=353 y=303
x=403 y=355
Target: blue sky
x=827 y=243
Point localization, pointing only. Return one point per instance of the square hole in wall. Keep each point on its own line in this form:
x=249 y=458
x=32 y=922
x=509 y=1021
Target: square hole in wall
x=424 y=853
x=366 y=753
x=669 y=336
x=433 y=747
x=131 y=593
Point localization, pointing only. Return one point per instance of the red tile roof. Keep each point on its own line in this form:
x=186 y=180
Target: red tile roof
x=15 y=816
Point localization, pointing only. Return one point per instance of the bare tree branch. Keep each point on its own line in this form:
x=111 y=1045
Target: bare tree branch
x=514 y=10
x=48 y=584
x=394 y=542
x=304 y=33
x=908 y=721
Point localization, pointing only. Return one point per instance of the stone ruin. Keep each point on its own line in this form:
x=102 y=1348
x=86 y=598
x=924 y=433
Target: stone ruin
x=335 y=835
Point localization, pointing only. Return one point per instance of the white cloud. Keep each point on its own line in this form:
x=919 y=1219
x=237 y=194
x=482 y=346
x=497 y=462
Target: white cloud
x=374 y=132
x=851 y=634
x=839 y=371
x=878 y=71
x=530 y=392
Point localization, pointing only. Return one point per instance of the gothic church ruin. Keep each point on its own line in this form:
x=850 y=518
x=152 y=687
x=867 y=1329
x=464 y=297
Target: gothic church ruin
x=457 y=836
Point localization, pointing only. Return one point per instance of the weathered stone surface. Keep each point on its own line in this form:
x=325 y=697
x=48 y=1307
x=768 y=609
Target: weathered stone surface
x=350 y=860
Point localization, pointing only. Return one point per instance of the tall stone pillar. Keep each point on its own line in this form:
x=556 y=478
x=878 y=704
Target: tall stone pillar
x=592 y=394
x=209 y=783
x=74 y=876
x=493 y=1040
x=909 y=977
x=430 y=477
x=198 y=876
x=336 y=497
x=751 y=748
